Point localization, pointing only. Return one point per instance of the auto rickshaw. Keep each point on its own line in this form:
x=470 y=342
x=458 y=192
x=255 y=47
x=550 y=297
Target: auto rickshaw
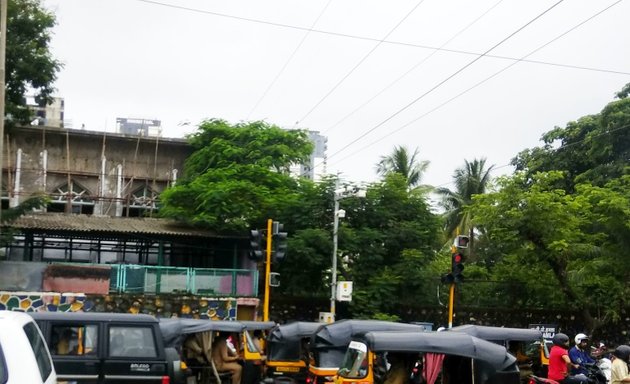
x=287 y=352
x=330 y=342
x=443 y=357
x=193 y=339
x=527 y=345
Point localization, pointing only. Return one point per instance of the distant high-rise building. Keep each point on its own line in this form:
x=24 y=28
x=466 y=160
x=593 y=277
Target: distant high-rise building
x=309 y=169
x=140 y=127
x=50 y=115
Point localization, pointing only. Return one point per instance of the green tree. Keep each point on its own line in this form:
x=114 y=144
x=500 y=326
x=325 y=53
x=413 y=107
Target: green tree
x=593 y=149
x=403 y=162
x=238 y=175
x=386 y=241
x=306 y=270
x=30 y=67
x=471 y=179
x=540 y=230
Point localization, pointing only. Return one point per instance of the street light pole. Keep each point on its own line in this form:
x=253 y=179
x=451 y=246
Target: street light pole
x=333 y=283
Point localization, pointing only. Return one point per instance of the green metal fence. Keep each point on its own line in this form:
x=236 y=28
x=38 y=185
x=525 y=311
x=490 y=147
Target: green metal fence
x=199 y=281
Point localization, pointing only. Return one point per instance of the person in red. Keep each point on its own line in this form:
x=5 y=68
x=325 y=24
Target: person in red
x=559 y=362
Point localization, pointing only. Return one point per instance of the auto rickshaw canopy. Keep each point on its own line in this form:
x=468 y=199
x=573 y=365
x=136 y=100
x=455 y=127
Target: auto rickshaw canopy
x=284 y=342
x=499 y=334
x=174 y=331
x=339 y=333
x=448 y=343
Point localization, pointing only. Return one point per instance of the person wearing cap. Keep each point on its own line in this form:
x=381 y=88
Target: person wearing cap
x=619 y=370
x=579 y=355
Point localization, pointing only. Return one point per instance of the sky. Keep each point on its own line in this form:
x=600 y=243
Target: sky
x=456 y=79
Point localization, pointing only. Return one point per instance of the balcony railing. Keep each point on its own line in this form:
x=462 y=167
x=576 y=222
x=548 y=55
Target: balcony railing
x=132 y=278
x=127 y=278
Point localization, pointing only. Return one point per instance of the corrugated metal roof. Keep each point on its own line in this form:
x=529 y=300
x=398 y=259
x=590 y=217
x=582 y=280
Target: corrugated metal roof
x=59 y=222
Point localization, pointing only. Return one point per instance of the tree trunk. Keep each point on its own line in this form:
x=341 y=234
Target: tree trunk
x=559 y=269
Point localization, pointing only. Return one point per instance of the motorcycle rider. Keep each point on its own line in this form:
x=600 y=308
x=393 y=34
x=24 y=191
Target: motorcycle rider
x=619 y=371
x=559 y=362
x=603 y=361
x=579 y=355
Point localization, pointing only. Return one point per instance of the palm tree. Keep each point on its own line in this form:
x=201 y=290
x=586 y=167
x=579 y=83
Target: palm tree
x=401 y=162
x=471 y=179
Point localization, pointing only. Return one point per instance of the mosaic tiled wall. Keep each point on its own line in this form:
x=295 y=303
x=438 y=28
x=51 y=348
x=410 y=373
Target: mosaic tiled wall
x=160 y=306
x=42 y=302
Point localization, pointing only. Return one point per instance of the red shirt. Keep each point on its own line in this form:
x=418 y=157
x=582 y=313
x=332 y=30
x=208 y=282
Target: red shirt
x=557 y=366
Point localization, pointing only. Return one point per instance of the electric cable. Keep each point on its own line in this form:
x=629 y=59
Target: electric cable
x=413 y=68
x=358 y=64
x=465 y=91
x=556 y=149
x=286 y=64
x=365 y=38
x=444 y=81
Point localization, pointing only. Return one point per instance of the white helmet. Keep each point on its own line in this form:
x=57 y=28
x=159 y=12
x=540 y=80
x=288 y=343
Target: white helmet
x=579 y=338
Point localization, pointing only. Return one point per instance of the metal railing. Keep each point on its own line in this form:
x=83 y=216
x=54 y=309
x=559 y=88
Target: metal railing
x=126 y=278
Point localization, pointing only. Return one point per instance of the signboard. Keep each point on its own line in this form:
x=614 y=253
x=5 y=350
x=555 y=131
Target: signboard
x=548 y=330
x=344 y=291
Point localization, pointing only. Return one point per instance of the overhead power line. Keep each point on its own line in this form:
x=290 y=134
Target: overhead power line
x=556 y=149
x=364 y=38
x=468 y=89
x=413 y=68
x=358 y=64
x=286 y=64
x=460 y=70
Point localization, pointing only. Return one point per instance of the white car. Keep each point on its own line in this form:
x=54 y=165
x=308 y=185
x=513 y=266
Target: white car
x=24 y=356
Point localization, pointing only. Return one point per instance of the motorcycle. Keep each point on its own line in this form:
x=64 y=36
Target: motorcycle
x=594 y=375
x=540 y=380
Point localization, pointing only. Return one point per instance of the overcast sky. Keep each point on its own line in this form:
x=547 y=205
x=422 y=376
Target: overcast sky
x=368 y=74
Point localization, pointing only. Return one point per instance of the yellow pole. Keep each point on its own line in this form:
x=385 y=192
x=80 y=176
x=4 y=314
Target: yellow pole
x=451 y=297
x=267 y=270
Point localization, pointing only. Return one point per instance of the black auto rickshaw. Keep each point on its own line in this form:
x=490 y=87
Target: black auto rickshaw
x=193 y=338
x=527 y=345
x=287 y=352
x=443 y=357
x=329 y=344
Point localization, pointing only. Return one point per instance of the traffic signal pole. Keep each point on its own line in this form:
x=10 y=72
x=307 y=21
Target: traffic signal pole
x=267 y=270
x=451 y=300
x=457 y=267
x=451 y=295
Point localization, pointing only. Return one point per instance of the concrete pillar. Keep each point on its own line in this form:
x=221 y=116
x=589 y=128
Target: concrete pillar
x=15 y=199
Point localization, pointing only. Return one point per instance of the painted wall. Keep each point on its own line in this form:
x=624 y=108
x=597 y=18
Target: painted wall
x=159 y=305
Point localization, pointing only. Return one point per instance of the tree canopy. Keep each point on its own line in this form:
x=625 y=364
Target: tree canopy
x=403 y=162
x=557 y=225
x=30 y=66
x=237 y=176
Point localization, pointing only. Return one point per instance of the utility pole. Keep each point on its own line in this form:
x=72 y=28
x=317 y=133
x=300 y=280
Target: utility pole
x=3 y=48
x=333 y=281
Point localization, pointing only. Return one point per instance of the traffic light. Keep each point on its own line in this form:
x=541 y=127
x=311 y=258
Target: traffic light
x=457 y=267
x=279 y=242
x=256 y=245
x=447 y=278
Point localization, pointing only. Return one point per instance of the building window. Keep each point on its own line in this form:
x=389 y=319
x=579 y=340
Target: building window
x=78 y=196
x=142 y=202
